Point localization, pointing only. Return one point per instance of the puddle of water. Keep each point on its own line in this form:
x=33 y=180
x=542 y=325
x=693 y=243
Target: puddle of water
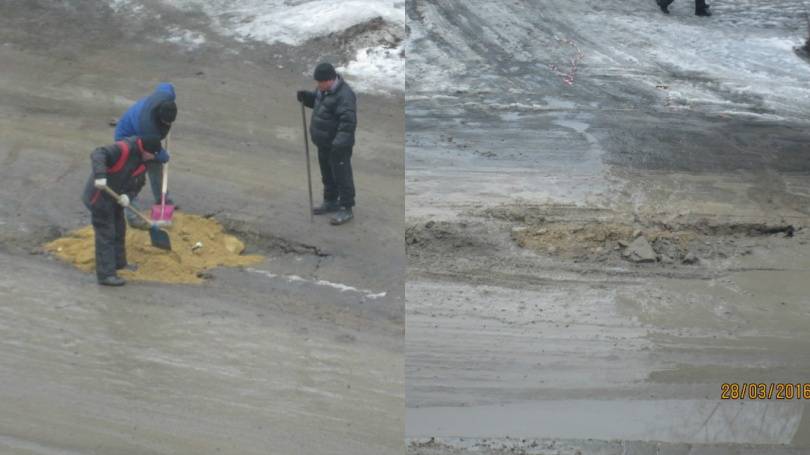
x=675 y=421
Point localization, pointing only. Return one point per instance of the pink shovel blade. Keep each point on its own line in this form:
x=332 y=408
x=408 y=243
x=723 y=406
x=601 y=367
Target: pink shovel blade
x=162 y=213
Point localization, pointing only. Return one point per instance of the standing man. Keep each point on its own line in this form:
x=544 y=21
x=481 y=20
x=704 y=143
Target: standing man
x=122 y=168
x=701 y=8
x=150 y=116
x=334 y=121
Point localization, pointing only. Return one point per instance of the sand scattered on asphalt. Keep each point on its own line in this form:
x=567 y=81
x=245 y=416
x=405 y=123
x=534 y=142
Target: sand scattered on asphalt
x=198 y=244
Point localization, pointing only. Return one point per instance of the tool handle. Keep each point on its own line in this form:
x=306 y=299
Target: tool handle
x=112 y=193
x=309 y=172
x=165 y=183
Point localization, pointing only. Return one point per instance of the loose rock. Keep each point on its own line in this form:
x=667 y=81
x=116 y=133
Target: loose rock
x=690 y=258
x=640 y=251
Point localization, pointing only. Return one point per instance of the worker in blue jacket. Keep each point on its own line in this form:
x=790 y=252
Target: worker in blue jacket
x=150 y=116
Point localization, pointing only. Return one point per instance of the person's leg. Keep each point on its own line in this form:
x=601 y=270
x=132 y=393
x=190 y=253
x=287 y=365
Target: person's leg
x=664 y=5
x=155 y=171
x=330 y=189
x=701 y=8
x=342 y=170
x=104 y=228
x=120 y=238
x=344 y=178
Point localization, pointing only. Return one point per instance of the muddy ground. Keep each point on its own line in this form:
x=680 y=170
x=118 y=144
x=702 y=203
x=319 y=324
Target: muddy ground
x=300 y=354
x=544 y=140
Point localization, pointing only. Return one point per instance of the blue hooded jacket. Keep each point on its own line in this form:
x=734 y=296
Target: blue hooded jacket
x=141 y=119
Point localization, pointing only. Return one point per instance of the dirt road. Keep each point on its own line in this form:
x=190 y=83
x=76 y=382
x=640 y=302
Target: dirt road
x=301 y=354
x=545 y=138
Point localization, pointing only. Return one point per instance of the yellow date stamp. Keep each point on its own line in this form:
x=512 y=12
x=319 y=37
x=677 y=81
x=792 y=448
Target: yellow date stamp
x=765 y=391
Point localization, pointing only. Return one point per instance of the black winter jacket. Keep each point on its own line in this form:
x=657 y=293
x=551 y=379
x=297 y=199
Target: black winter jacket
x=123 y=166
x=334 y=116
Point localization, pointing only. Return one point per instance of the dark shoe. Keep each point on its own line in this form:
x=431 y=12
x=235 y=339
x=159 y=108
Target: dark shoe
x=664 y=5
x=343 y=216
x=703 y=12
x=112 y=281
x=130 y=267
x=326 y=207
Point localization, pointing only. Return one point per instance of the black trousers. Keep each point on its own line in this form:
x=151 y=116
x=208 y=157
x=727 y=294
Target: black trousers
x=110 y=229
x=336 y=175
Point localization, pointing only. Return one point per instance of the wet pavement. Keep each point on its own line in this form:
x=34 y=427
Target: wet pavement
x=301 y=353
x=579 y=114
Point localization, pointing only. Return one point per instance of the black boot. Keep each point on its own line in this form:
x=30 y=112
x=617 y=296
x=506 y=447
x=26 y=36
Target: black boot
x=704 y=12
x=664 y=5
x=112 y=281
x=326 y=207
x=343 y=216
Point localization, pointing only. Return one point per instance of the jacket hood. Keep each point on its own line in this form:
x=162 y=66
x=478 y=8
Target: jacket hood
x=167 y=88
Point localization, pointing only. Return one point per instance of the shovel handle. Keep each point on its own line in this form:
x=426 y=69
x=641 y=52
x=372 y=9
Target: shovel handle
x=309 y=172
x=165 y=179
x=112 y=193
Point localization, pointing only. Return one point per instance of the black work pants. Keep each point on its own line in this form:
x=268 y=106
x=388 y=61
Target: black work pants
x=110 y=229
x=336 y=175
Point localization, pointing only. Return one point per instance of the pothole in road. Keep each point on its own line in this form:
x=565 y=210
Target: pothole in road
x=267 y=243
x=644 y=243
x=597 y=235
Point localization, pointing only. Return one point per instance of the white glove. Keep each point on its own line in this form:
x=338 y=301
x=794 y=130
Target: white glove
x=123 y=200
x=100 y=183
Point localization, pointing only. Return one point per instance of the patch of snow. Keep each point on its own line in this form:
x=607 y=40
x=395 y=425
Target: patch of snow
x=376 y=70
x=185 y=38
x=291 y=22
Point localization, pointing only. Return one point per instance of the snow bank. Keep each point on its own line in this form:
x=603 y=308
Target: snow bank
x=292 y=22
x=376 y=69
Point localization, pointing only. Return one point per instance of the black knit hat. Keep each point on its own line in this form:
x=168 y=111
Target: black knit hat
x=167 y=112
x=151 y=143
x=325 y=72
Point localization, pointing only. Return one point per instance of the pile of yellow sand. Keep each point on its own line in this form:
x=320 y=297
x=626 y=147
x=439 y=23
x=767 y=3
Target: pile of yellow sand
x=198 y=244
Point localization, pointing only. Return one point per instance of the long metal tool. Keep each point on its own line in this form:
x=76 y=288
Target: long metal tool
x=309 y=172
